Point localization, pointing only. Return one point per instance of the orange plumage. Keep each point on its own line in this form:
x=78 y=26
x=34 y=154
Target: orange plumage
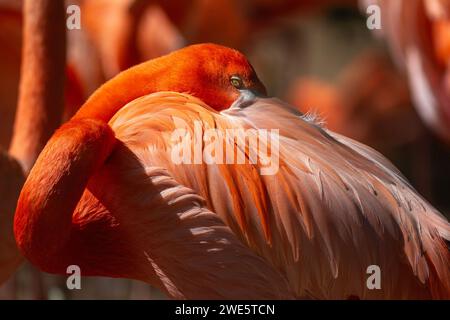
x=104 y=194
x=37 y=115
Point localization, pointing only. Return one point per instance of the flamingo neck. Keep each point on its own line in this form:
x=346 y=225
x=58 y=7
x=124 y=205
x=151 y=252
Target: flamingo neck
x=41 y=91
x=51 y=192
x=145 y=78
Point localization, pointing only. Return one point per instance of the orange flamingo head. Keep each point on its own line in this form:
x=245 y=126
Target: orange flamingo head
x=217 y=75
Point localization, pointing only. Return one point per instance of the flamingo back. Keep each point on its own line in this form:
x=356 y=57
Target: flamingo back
x=333 y=208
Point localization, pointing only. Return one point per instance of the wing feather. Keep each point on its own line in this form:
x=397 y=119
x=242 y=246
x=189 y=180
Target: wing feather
x=333 y=208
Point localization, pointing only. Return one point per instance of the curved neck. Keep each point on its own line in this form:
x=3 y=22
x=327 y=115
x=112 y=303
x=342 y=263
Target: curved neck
x=41 y=89
x=43 y=219
x=140 y=80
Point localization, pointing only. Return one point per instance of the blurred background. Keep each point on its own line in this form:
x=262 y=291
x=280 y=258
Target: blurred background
x=386 y=88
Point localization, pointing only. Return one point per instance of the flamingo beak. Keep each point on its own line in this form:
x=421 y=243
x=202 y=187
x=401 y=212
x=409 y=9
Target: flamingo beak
x=246 y=98
x=259 y=89
x=248 y=95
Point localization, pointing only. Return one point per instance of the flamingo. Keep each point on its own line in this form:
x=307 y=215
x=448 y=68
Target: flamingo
x=417 y=33
x=38 y=113
x=83 y=72
x=124 y=34
x=41 y=88
x=106 y=195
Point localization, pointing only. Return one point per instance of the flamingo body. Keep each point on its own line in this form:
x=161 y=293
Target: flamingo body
x=105 y=194
x=334 y=208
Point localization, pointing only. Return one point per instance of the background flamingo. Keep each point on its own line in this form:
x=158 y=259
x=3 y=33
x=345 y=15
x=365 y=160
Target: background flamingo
x=109 y=203
x=38 y=112
x=83 y=75
x=417 y=33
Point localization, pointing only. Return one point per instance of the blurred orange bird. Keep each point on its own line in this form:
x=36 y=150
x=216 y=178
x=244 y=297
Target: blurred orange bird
x=126 y=32
x=37 y=115
x=418 y=34
x=105 y=194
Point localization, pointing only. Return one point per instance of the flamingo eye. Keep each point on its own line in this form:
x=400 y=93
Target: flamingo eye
x=236 y=82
